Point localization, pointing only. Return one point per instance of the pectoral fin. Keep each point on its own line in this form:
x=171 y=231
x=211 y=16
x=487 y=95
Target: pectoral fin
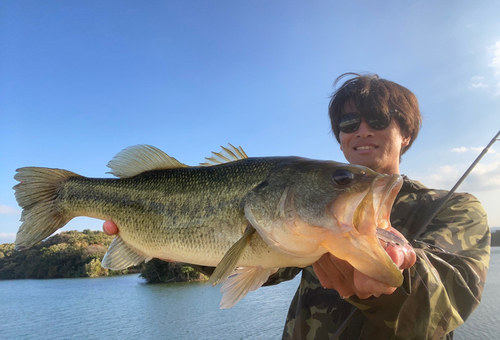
x=242 y=281
x=228 y=263
x=120 y=256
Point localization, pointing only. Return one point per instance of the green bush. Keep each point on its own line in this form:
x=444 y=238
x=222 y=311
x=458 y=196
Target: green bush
x=64 y=255
x=158 y=271
x=79 y=254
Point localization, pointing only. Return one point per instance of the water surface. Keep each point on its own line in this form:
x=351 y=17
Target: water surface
x=124 y=307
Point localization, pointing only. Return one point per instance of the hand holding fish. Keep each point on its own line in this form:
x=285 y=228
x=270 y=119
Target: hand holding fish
x=338 y=274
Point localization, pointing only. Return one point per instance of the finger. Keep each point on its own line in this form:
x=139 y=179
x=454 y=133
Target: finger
x=406 y=257
x=403 y=257
x=110 y=228
x=323 y=277
x=365 y=286
x=410 y=257
x=396 y=254
x=331 y=277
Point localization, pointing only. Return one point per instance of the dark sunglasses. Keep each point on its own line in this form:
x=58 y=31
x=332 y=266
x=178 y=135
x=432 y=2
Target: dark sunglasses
x=350 y=122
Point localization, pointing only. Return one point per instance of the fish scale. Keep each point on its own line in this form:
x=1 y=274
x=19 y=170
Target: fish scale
x=170 y=205
x=259 y=214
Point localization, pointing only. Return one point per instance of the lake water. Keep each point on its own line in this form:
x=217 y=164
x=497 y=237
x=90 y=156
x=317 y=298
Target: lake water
x=126 y=308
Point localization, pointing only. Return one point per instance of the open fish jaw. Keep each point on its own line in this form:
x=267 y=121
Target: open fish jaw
x=359 y=245
x=388 y=197
x=374 y=210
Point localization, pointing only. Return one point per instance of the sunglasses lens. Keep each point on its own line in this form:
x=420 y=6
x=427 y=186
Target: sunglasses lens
x=349 y=122
x=379 y=121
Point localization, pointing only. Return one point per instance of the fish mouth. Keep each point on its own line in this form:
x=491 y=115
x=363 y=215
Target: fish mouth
x=368 y=210
x=356 y=240
x=375 y=208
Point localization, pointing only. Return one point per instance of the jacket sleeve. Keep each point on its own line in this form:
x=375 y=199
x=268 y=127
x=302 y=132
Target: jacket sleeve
x=445 y=285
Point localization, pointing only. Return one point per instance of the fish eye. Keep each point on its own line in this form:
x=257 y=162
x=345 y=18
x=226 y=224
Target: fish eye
x=343 y=177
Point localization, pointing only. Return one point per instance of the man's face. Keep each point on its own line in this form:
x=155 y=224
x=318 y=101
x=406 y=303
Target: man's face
x=376 y=149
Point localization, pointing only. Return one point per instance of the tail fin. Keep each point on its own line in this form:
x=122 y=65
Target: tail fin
x=37 y=195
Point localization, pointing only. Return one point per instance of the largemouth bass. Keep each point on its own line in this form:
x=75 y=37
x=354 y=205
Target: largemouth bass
x=247 y=216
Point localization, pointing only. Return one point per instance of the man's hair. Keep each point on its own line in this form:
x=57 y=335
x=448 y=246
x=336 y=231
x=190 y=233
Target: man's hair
x=370 y=94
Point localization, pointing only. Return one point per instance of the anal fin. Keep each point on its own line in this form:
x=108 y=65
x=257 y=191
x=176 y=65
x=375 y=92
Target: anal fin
x=120 y=256
x=228 y=263
x=243 y=280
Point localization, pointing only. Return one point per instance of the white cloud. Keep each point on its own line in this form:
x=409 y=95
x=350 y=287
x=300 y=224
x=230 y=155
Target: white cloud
x=5 y=210
x=8 y=237
x=476 y=150
x=479 y=82
x=483 y=182
x=476 y=83
x=484 y=177
x=479 y=86
x=444 y=178
x=495 y=63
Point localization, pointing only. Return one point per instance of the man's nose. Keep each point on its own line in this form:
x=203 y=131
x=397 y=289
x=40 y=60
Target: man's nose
x=364 y=129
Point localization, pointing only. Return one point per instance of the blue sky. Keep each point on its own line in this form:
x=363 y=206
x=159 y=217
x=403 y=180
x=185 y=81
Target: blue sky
x=80 y=81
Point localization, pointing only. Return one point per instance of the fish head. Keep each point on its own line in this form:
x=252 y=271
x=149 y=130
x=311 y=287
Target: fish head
x=309 y=207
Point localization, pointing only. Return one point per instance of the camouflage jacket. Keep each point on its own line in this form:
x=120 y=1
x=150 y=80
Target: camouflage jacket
x=438 y=294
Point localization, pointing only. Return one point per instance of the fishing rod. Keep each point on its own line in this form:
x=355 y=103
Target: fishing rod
x=424 y=226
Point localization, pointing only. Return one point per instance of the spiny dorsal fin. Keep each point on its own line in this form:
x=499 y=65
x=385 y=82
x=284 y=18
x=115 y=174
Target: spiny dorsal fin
x=228 y=263
x=226 y=155
x=140 y=158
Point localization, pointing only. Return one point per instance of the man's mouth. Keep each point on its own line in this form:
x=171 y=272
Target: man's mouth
x=365 y=147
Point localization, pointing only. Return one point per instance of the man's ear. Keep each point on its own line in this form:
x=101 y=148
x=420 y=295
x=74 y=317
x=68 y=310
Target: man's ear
x=405 y=141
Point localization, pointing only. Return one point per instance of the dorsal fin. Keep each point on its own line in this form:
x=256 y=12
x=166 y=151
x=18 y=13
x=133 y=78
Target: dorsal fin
x=226 y=155
x=140 y=158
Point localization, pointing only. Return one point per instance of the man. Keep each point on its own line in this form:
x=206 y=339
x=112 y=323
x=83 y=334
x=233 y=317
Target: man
x=375 y=122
